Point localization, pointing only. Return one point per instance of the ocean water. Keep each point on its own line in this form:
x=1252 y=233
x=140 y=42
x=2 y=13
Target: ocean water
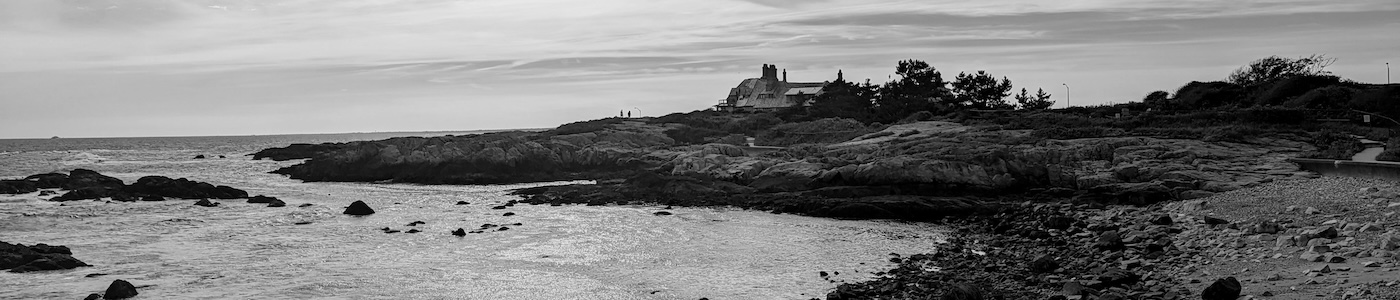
x=175 y=250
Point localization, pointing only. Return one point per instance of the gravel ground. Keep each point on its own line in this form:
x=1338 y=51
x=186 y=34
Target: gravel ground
x=1278 y=265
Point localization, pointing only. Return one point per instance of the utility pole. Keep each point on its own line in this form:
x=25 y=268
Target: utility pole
x=1066 y=94
x=1387 y=73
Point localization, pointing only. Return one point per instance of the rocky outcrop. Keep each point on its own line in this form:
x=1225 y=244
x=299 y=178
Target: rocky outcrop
x=505 y=157
x=19 y=258
x=120 y=289
x=17 y=187
x=182 y=188
x=296 y=151
x=685 y=191
x=358 y=208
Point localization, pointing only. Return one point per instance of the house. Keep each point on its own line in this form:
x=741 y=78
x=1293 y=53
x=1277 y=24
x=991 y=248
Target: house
x=768 y=92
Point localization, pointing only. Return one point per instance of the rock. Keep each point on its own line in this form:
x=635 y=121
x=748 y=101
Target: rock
x=304 y=205
x=1058 y=222
x=1389 y=242
x=1319 y=249
x=17 y=187
x=48 y=180
x=1214 y=221
x=1326 y=232
x=499 y=207
x=459 y=232
x=1195 y=194
x=415 y=230
x=1311 y=257
x=261 y=199
x=507 y=214
x=1334 y=259
x=963 y=291
x=93 y=297
x=206 y=203
x=1161 y=219
x=201 y=156
x=1268 y=227
x=120 y=289
x=416 y=223
x=1072 y=289
x=1370 y=264
x=1223 y=289
x=463 y=202
x=1044 y=264
x=276 y=203
x=1372 y=227
x=1311 y=211
x=182 y=188
x=1109 y=240
x=359 y=208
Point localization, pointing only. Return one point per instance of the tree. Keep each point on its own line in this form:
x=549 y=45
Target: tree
x=842 y=99
x=982 y=91
x=919 y=87
x=1156 y=97
x=1040 y=100
x=1273 y=68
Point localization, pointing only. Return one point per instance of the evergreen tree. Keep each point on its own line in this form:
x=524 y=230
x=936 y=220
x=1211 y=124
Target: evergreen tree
x=982 y=91
x=919 y=87
x=842 y=99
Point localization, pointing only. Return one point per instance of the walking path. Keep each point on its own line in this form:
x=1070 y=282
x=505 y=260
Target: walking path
x=1373 y=149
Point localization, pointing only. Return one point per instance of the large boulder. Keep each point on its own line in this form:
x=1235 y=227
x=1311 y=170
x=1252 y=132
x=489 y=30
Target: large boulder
x=120 y=289
x=359 y=208
x=48 y=180
x=1223 y=289
x=84 y=178
x=17 y=187
x=19 y=258
x=182 y=188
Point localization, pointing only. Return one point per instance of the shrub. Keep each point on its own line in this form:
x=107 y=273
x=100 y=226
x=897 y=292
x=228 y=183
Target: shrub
x=1333 y=144
x=1197 y=95
x=1392 y=150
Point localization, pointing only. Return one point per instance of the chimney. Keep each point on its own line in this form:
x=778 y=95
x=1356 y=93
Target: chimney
x=838 y=75
x=784 y=75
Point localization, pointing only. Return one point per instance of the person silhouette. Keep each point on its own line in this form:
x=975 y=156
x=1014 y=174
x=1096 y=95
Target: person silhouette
x=629 y=114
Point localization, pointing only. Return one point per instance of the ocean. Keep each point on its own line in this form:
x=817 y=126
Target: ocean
x=175 y=250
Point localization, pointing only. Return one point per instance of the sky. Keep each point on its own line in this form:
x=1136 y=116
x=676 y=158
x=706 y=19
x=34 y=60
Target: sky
x=112 y=68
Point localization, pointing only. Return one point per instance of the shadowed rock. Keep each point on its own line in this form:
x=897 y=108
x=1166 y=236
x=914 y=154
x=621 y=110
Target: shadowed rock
x=120 y=289
x=359 y=208
x=1223 y=289
x=206 y=203
x=20 y=258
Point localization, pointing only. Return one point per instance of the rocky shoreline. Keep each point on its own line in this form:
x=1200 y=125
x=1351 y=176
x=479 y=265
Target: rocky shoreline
x=1090 y=218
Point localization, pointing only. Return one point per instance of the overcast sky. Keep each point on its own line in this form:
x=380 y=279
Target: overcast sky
x=88 y=68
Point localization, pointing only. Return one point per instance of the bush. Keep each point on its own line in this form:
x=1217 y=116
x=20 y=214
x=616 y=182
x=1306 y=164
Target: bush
x=1332 y=144
x=1392 y=150
x=1198 y=95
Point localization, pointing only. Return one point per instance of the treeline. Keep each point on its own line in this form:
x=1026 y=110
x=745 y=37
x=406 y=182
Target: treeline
x=918 y=88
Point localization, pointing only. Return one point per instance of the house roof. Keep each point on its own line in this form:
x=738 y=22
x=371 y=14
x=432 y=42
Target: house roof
x=803 y=91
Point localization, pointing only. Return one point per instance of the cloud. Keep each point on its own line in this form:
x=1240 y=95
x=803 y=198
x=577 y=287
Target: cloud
x=151 y=58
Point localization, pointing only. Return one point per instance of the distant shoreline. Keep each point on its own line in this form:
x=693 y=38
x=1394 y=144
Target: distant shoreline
x=436 y=132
